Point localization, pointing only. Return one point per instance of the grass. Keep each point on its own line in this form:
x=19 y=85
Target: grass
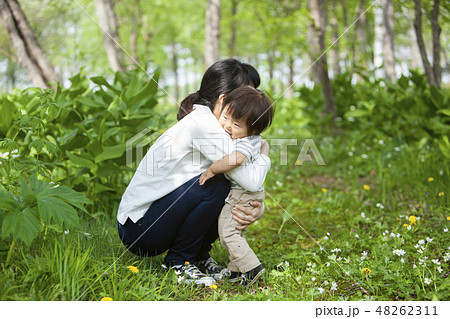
x=350 y=214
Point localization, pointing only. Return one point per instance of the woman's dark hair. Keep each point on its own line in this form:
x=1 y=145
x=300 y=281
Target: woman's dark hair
x=251 y=106
x=221 y=78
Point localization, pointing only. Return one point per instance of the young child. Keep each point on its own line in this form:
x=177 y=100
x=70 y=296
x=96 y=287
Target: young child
x=245 y=114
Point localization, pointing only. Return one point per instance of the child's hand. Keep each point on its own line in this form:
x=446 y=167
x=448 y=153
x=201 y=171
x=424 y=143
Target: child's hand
x=205 y=176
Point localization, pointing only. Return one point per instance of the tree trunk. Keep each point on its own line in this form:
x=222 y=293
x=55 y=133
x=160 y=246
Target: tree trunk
x=361 y=37
x=233 y=29
x=317 y=25
x=388 y=39
x=420 y=42
x=350 y=43
x=436 y=33
x=212 y=32
x=378 y=41
x=29 y=52
x=110 y=26
x=175 y=70
x=136 y=27
x=291 y=60
x=334 y=36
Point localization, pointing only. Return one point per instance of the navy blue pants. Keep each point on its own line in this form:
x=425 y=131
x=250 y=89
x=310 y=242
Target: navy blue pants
x=184 y=222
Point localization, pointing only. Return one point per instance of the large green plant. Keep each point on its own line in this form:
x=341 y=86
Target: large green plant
x=38 y=206
x=77 y=135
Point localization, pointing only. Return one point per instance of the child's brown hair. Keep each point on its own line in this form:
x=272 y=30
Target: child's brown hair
x=252 y=106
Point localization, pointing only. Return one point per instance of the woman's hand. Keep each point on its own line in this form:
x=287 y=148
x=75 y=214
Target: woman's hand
x=245 y=215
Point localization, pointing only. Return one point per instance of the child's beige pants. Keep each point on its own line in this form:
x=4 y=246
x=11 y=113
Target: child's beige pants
x=241 y=256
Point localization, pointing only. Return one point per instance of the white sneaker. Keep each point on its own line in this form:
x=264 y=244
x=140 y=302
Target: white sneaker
x=212 y=268
x=190 y=274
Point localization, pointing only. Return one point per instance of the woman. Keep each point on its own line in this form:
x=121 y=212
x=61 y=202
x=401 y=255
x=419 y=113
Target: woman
x=164 y=207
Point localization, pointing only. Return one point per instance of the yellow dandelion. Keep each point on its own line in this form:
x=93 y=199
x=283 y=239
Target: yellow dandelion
x=106 y=299
x=430 y=179
x=366 y=271
x=133 y=269
x=366 y=187
x=186 y=263
x=412 y=219
x=398 y=219
x=441 y=194
x=324 y=190
x=405 y=225
x=213 y=287
x=298 y=162
x=448 y=217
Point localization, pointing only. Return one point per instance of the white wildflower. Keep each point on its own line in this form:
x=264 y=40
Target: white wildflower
x=429 y=239
x=439 y=269
x=363 y=215
x=399 y=252
x=356 y=236
x=435 y=261
x=445 y=230
x=427 y=281
x=333 y=286
x=313 y=279
x=379 y=205
x=279 y=183
x=402 y=260
x=321 y=290
x=421 y=242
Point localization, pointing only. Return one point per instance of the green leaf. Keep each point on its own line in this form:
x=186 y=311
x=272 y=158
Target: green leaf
x=436 y=97
x=444 y=111
x=148 y=91
x=24 y=225
x=80 y=161
x=7 y=111
x=55 y=210
x=100 y=80
x=356 y=113
x=111 y=132
x=110 y=152
x=90 y=102
x=67 y=194
x=37 y=144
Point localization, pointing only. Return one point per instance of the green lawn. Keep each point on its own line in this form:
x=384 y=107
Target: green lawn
x=354 y=213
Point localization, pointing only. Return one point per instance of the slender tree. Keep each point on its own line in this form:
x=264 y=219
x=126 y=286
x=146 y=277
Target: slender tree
x=29 y=53
x=388 y=39
x=421 y=43
x=360 y=57
x=317 y=28
x=233 y=29
x=436 y=33
x=110 y=26
x=335 y=59
x=212 y=32
x=378 y=40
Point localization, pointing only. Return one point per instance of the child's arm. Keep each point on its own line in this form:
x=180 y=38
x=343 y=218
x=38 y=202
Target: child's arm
x=225 y=164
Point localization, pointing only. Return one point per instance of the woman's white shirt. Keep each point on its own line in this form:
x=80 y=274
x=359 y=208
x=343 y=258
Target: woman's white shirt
x=182 y=152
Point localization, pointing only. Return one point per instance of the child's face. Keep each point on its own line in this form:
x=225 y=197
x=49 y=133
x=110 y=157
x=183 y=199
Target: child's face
x=236 y=128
